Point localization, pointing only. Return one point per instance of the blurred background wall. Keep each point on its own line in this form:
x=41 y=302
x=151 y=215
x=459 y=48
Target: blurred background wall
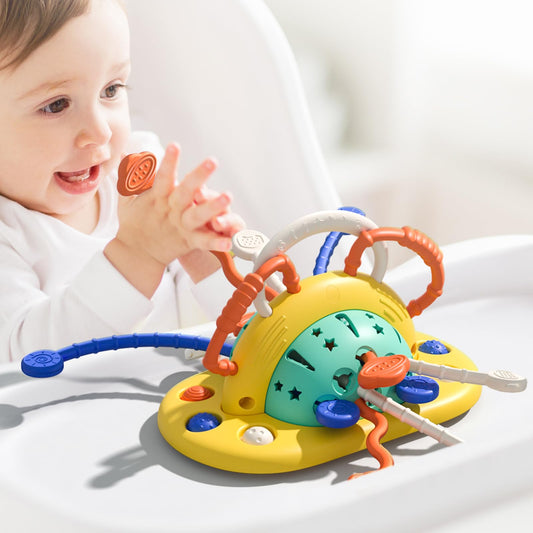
x=424 y=109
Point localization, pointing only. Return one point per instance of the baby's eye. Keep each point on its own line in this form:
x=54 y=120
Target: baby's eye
x=56 y=107
x=111 y=91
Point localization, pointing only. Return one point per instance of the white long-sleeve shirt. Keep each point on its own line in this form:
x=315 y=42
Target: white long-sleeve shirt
x=57 y=287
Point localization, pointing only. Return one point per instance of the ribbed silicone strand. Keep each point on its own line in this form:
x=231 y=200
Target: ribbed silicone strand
x=330 y=243
x=139 y=340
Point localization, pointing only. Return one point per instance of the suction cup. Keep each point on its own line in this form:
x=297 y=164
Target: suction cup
x=42 y=364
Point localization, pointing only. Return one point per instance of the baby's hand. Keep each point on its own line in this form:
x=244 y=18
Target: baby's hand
x=204 y=214
x=226 y=223
x=169 y=221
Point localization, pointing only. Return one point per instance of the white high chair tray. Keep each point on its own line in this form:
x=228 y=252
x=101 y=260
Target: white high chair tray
x=82 y=451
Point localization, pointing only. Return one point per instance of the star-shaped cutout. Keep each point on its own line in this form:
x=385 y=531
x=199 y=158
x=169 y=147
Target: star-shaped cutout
x=317 y=332
x=330 y=344
x=378 y=329
x=369 y=315
x=278 y=386
x=295 y=394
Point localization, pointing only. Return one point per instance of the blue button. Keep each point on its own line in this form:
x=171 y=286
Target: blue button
x=337 y=413
x=202 y=422
x=433 y=347
x=417 y=389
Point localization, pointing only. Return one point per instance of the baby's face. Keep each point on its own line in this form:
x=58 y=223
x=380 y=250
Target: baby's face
x=64 y=118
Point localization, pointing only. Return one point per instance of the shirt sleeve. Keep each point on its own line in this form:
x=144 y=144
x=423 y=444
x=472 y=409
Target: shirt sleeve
x=203 y=301
x=97 y=302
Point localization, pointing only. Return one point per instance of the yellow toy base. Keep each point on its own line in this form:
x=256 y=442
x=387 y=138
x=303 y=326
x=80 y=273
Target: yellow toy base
x=294 y=447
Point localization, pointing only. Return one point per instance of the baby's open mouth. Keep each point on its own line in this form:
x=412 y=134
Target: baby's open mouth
x=79 y=181
x=79 y=176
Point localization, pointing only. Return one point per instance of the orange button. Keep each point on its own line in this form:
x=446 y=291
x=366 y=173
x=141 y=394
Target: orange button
x=136 y=173
x=196 y=393
x=383 y=371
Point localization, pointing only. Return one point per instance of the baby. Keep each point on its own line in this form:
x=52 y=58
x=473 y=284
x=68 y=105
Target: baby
x=77 y=261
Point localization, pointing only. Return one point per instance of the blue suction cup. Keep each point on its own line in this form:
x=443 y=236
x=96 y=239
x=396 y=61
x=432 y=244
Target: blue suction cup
x=42 y=364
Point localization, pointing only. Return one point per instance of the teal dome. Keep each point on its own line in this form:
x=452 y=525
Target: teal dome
x=322 y=364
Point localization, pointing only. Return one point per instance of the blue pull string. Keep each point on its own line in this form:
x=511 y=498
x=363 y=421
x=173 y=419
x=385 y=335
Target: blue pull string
x=330 y=243
x=48 y=363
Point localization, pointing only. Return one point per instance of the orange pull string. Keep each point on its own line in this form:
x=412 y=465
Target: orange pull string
x=353 y=260
x=237 y=305
x=228 y=267
x=373 y=444
x=281 y=263
x=233 y=275
x=414 y=240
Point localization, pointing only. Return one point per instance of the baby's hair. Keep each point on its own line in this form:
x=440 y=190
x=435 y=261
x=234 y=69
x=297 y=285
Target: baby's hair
x=27 y=24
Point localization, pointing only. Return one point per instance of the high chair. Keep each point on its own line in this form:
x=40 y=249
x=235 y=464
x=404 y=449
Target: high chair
x=231 y=90
x=83 y=451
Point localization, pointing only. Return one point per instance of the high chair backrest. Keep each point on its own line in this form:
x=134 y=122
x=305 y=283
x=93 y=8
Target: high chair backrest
x=220 y=78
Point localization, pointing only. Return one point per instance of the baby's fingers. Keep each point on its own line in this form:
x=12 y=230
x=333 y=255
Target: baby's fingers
x=167 y=175
x=227 y=224
x=198 y=215
x=190 y=190
x=209 y=240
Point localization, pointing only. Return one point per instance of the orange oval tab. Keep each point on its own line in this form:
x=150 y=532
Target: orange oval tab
x=383 y=371
x=136 y=173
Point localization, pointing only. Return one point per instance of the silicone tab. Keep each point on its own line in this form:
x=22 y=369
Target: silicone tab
x=506 y=381
x=136 y=173
x=42 y=364
x=248 y=243
x=383 y=371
